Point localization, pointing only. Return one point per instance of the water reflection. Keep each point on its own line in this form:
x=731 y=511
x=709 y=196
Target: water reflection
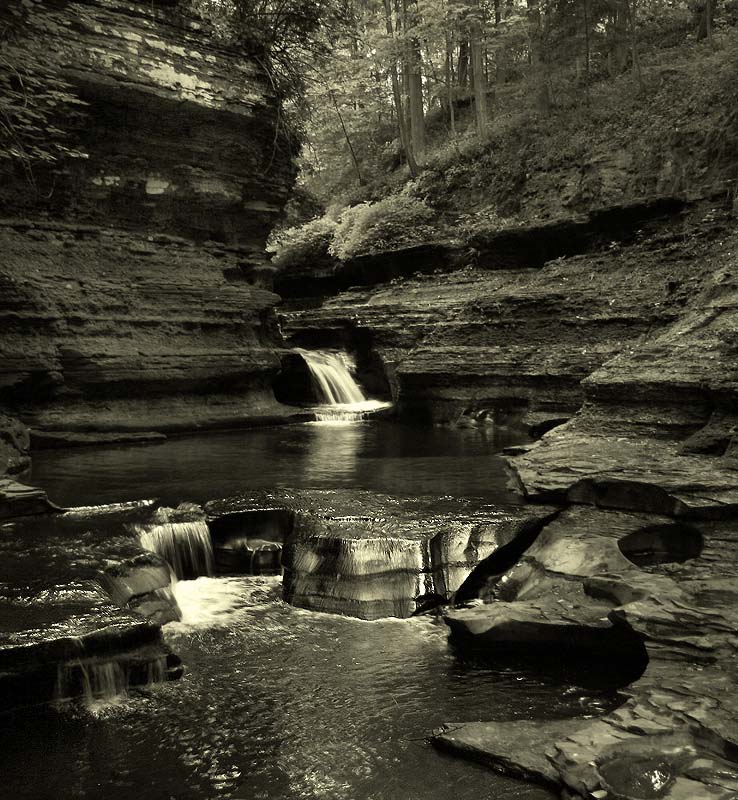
x=380 y=456
x=281 y=704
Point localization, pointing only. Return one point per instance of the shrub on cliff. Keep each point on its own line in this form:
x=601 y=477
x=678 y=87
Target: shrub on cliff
x=393 y=222
x=306 y=244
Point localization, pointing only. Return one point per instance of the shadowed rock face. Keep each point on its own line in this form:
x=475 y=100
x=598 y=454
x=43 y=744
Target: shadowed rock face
x=371 y=556
x=500 y=342
x=579 y=586
x=80 y=599
x=133 y=287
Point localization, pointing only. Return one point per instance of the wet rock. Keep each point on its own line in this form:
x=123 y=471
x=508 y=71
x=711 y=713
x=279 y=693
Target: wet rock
x=14 y=446
x=637 y=778
x=78 y=590
x=575 y=587
x=18 y=500
x=143 y=584
x=369 y=555
x=514 y=748
x=513 y=343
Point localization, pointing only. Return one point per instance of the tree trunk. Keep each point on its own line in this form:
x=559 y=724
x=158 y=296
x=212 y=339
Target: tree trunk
x=617 y=34
x=586 y=50
x=463 y=70
x=417 y=120
x=708 y=18
x=348 y=138
x=632 y=8
x=480 y=82
x=450 y=85
x=537 y=56
x=397 y=97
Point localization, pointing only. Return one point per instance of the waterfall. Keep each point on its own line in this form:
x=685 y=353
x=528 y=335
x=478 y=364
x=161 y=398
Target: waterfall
x=92 y=681
x=186 y=545
x=99 y=683
x=332 y=379
x=341 y=398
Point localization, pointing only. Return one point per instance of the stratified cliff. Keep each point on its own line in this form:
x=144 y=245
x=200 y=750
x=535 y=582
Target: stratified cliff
x=133 y=291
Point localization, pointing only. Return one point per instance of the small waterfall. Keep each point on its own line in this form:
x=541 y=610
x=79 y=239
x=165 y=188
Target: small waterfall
x=156 y=671
x=92 y=681
x=185 y=544
x=99 y=683
x=340 y=396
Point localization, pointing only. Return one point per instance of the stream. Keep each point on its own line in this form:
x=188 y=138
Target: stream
x=277 y=702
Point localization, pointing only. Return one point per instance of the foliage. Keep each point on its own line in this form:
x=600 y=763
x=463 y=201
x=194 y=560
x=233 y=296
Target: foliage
x=393 y=222
x=33 y=102
x=294 y=38
x=305 y=244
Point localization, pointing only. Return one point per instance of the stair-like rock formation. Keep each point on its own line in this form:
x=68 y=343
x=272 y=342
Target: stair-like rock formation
x=133 y=287
x=623 y=586
x=79 y=594
x=370 y=556
x=489 y=343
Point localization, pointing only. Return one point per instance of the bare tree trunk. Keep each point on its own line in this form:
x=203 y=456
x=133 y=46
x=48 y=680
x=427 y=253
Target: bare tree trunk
x=463 y=70
x=450 y=84
x=632 y=8
x=709 y=11
x=348 y=138
x=417 y=120
x=397 y=97
x=537 y=55
x=586 y=50
x=480 y=82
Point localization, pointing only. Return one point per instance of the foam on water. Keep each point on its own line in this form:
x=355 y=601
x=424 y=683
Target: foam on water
x=215 y=602
x=342 y=399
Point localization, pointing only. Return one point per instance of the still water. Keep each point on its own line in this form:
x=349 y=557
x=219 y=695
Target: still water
x=380 y=456
x=282 y=704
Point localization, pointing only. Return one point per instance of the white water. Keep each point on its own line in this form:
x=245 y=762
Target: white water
x=187 y=546
x=340 y=396
x=98 y=685
x=213 y=602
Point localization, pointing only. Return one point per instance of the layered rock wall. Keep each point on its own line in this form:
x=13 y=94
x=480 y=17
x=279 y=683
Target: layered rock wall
x=133 y=288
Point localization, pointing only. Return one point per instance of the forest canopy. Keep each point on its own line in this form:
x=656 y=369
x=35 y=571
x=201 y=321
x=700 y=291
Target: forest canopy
x=419 y=97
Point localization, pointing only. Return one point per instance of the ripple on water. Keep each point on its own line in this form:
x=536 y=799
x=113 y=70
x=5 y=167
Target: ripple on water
x=280 y=703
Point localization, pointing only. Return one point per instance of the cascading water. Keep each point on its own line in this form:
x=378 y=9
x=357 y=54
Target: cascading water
x=97 y=683
x=340 y=395
x=185 y=544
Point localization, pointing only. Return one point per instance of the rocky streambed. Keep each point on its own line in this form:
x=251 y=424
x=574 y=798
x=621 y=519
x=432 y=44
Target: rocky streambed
x=623 y=360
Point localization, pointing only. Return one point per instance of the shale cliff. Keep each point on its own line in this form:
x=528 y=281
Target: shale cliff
x=133 y=291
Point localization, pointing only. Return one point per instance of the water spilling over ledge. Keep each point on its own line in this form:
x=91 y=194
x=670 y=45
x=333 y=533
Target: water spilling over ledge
x=339 y=395
x=181 y=536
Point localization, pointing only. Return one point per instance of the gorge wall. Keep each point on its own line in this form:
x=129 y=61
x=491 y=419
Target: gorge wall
x=134 y=294
x=620 y=362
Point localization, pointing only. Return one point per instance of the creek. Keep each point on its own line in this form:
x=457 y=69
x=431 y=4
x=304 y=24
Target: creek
x=278 y=702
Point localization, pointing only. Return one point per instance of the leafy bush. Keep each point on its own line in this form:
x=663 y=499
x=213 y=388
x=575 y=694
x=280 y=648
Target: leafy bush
x=393 y=222
x=305 y=244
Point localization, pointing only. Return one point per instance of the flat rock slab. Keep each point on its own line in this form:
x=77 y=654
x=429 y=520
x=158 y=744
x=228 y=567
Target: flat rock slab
x=370 y=555
x=72 y=583
x=18 y=499
x=515 y=748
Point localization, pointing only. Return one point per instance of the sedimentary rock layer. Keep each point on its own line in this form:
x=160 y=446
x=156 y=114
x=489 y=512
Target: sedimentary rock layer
x=134 y=274
x=371 y=556
x=484 y=343
x=79 y=594
x=611 y=582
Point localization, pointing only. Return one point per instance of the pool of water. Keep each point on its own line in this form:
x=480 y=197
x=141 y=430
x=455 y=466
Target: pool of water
x=279 y=703
x=380 y=456
x=283 y=704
